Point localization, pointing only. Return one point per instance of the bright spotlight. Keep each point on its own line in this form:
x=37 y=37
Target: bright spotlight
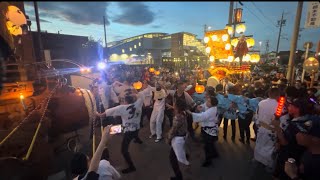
x=101 y=65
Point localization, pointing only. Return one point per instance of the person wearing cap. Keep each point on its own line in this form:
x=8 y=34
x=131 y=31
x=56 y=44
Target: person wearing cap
x=309 y=137
x=241 y=48
x=298 y=115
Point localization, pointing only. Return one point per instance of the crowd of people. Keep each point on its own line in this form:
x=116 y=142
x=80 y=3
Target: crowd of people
x=288 y=145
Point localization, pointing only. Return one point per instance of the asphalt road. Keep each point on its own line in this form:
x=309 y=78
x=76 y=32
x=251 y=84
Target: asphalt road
x=152 y=159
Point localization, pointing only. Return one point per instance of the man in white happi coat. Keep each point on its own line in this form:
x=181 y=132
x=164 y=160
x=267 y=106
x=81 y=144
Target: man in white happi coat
x=156 y=120
x=266 y=138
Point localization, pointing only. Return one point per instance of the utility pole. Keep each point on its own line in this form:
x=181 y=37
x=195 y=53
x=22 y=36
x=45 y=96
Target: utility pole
x=205 y=29
x=230 y=12
x=40 y=55
x=294 y=42
x=105 y=32
x=281 y=23
x=267 y=49
x=105 y=38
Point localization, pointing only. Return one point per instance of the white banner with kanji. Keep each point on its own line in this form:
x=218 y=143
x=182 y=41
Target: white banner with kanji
x=313 y=15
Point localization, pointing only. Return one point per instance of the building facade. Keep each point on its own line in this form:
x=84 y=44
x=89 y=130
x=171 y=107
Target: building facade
x=62 y=46
x=141 y=49
x=181 y=49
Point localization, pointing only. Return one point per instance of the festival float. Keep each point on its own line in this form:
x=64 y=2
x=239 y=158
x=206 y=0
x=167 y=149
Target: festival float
x=39 y=118
x=227 y=58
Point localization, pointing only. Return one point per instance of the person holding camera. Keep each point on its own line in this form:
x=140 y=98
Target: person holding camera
x=309 y=137
x=130 y=113
x=99 y=166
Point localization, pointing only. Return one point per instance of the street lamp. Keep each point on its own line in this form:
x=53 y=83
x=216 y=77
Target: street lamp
x=260 y=43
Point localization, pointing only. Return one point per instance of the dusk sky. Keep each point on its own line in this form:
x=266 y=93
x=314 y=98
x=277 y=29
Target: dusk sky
x=127 y=19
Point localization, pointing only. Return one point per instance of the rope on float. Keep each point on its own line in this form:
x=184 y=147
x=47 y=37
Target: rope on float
x=39 y=125
x=22 y=122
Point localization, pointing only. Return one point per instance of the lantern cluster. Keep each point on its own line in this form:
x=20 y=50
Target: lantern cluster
x=218 y=44
x=215 y=37
x=151 y=70
x=156 y=72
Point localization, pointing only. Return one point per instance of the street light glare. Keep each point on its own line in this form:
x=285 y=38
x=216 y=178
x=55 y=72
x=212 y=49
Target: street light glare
x=102 y=65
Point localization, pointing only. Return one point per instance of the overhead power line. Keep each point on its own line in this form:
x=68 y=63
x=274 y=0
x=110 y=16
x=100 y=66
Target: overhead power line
x=258 y=18
x=264 y=14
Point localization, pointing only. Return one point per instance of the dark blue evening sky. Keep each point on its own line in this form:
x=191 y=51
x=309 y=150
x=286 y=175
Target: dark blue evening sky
x=127 y=19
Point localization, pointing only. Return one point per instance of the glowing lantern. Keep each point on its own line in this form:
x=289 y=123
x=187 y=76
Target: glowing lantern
x=237 y=59
x=137 y=85
x=16 y=16
x=21 y=96
x=228 y=46
x=255 y=58
x=230 y=58
x=208 y=49
x=246 y=58
x=214 y=38
x=281 y=102
x=151 y=70
x=250 y=42
x=225 y=37
x=211 y=58
x=157 y=73
x=241 y=28
x=230 y=29
x=13 y=29
x=206 y=39
x=199 y=89
x=238 y=15
x=234 y=42
x=311 y=65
